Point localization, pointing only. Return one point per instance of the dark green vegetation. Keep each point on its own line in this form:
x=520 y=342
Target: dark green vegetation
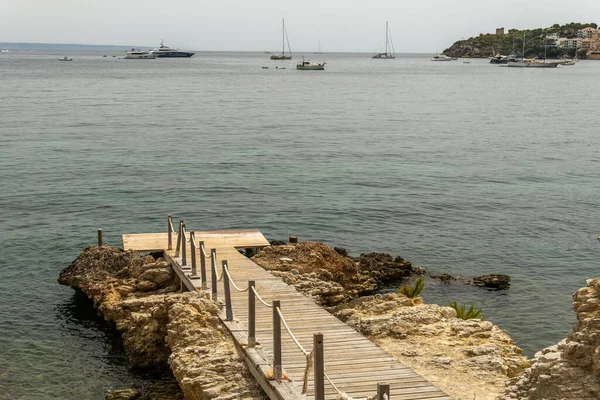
x=487 y=45
x=463 y=313
x=414 y=290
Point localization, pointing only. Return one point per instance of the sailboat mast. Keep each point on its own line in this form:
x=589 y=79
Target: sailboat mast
x=386 y=37
x=282 y=36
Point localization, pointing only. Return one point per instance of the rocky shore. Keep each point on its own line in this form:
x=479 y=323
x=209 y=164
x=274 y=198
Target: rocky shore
x=466 y=358
x=571 y=368
x=159 y=326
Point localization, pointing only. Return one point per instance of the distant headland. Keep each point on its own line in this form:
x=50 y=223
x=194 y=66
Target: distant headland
x=581 y=40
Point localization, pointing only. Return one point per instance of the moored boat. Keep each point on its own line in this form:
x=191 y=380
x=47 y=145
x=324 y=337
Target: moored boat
x=441 y=57
x=306 y=65
x=168 y=52
x=390 y=53
x=531 y=64
x=284 y=40
x=134 y=54
x=65 y=58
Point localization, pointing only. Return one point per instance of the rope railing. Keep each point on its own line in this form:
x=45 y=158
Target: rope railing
x=308 y=354
x=170 y=231
x=226 y=271
x=204 y=250
x=260 y=298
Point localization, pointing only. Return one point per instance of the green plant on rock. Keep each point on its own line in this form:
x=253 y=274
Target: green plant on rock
x=414 y=290
x=463 y=313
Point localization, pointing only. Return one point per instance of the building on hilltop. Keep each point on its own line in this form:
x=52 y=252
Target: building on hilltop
x=586 y=33
x=500 y=31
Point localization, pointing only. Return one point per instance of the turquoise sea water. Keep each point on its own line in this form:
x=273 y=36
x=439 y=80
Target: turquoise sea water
x=461 y=168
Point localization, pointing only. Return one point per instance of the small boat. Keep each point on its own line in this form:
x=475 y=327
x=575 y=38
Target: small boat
x=169 y=52
x=265 y=67
x=466 y=62
x=134 y=54
x=306 y=65
x=284 y=39
x=65 y=59
x=389 y=44
x=441 y=57
x=277 y=67
x=104 y=56
x=568 y=62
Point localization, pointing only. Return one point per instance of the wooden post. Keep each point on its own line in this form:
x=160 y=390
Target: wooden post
x=251 y=315
x=170 y=234
x=228 y=309
x=277 y=368
x=319 y=366
x=193 y=251
x=383 y=391
x=293 y=239
x=203 y=267
x=183 y=247
x=213 y=273
x=178 y=238
x=100 y=243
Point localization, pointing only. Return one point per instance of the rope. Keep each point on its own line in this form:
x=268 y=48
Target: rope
x=260 y=298
x=309 y=364
x=204 y=251
x=232 y=282
x=344 y=396
x=291 y=334
x=340 y=393
x=217 y=273
x=171 y=227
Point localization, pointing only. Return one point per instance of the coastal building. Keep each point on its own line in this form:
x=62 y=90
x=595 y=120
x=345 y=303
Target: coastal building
x=567 y=42
x=586 y=33
x=500 y=31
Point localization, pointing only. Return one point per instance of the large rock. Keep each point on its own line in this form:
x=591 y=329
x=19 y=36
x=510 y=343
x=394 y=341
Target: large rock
x=159 y=326
x=570 y=369
x=431 y=340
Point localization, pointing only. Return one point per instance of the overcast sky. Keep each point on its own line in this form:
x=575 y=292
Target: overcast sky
x=255 y=25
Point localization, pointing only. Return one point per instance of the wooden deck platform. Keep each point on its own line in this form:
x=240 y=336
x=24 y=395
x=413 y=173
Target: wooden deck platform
x=354 y=364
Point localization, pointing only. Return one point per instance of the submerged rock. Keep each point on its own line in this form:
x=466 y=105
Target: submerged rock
x=123 y=394
x=494 y=281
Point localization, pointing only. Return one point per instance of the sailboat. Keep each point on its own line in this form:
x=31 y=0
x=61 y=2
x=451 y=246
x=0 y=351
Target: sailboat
x=318 y=49
x=532 y=64
x=285 y=39
x=389 y=46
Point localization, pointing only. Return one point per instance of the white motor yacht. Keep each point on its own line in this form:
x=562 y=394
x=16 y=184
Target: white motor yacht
x=134 y=54
x=441 y=57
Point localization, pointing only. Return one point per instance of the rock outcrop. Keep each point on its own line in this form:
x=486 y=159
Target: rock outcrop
x=463 y=357
x=571 y=368
x=328 y=275
x=159 y=326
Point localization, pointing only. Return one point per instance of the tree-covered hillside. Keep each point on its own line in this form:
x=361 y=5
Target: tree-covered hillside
x=486 y=45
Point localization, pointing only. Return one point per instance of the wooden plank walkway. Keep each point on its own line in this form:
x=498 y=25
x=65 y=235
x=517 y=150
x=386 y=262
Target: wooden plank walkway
x=354 y=364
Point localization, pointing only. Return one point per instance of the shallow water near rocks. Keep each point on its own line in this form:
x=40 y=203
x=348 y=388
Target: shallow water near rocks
x=460 y=168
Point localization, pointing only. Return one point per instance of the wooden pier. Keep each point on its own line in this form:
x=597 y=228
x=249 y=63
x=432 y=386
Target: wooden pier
x=293 y=347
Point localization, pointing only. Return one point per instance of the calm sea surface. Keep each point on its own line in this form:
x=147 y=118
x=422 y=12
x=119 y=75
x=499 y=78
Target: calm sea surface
x=461 y=168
